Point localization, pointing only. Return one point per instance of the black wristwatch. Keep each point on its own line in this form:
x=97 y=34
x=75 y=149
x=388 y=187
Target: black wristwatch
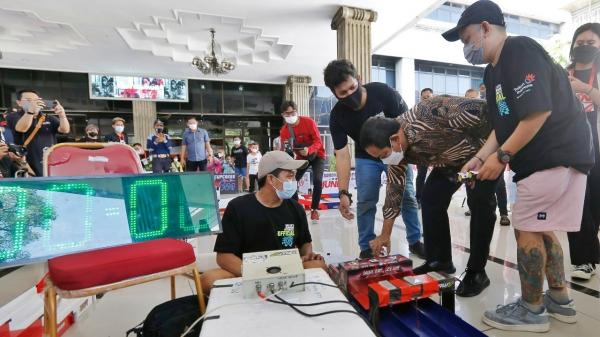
x=504 y=156
x=346 y=193
x=30 y=113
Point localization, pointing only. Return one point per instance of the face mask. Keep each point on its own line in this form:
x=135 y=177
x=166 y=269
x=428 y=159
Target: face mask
x=288 y=191
x=395 y=158
x=119 y=128
x=159 y=130
x=92 y=134
x=193 y=126
x=353 y=100
x=473 y=54
x=584 y=54
x=237 y=142
x=291 y=119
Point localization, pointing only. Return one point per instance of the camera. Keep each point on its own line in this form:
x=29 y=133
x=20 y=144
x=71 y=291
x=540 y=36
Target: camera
x=287 y=148
x=467 y=177
x=17 y=150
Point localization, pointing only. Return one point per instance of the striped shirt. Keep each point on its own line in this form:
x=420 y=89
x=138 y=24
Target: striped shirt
x=444 y=132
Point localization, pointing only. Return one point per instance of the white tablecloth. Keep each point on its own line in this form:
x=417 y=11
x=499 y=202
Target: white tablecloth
x=264 y=319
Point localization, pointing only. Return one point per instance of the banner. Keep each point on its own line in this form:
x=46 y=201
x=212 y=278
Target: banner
x=330 y=183
x=226 y=183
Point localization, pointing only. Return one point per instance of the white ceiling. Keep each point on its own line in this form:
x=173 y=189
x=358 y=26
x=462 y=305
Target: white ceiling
x=268 y=39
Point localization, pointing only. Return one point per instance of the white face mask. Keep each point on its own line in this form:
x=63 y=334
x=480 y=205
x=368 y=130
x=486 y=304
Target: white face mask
x=237 y=142
x=394 y=158
x=291 y=119
x=119 y=128
x=193 y=126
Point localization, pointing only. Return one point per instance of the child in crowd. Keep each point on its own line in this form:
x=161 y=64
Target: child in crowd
x=254 y=158
x=228 y=166
x=176 y=165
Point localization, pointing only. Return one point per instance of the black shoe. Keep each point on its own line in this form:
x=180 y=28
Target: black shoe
x=366 y=254
x=417 y=248
x=473 y=283
x=468 y=213
x=446 y=267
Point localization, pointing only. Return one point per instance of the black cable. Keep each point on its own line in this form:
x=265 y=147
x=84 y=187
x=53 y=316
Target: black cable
x=319 y=283
x=317 y=314
x=293 y=306
x=309 y=304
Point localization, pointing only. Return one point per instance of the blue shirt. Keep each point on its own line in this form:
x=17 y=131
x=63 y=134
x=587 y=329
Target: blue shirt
x=158 y=148
x=196 y=144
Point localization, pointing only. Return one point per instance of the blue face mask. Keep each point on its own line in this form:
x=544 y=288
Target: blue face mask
x=473 y=54
x=289 y=189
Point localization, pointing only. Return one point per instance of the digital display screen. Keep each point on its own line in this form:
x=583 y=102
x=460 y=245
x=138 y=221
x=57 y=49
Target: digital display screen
x=45 y=217
x=144 y=88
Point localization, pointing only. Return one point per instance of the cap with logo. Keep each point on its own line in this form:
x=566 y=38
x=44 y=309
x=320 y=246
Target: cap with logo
x=278 y=160
x=482 y=10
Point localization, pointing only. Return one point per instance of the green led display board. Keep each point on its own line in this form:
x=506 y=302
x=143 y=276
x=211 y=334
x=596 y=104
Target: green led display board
x=45 y=217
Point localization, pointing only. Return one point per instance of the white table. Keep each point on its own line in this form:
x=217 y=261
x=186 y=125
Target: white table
x=264 y=319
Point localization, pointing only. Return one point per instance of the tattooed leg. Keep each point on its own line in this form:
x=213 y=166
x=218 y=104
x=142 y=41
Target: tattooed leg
x=531 y=259
x=555 y=268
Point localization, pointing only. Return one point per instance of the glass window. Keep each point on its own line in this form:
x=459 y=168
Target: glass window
x=452 y=84
x=439 y=83
x=464 y=84
x=425 y=80
x=233 y=97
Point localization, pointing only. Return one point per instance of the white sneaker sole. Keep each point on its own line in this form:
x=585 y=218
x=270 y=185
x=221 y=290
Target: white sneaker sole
x=582 y=275
x=545 y=327
x=563 y=318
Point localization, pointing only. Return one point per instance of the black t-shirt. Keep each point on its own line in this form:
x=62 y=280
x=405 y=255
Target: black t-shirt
x=591 y=110
x=345 y=122
x=248 y=227
x=240 y=154
x=526 y=81
x=45 y=138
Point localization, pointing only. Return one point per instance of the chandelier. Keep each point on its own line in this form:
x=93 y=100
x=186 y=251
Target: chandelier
x=210 y=63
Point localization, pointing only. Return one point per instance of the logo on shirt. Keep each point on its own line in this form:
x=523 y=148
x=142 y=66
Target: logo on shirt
x=542 y=216
x=526 y=86
x=501 y=101
x=287 y=236
x=586 y=100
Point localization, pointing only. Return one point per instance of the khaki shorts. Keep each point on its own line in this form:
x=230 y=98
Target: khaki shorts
x=550 y=200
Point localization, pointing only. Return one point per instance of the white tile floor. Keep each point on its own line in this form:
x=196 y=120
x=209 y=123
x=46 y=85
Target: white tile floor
x=336 y=239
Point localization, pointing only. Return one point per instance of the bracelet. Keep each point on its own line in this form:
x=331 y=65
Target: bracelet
x=481 y=160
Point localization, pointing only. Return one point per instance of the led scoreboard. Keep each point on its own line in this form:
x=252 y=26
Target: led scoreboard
x=45 y=217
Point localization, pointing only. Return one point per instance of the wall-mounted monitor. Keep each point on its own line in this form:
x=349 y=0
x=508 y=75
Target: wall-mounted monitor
x=45 y=217
x=142 y=88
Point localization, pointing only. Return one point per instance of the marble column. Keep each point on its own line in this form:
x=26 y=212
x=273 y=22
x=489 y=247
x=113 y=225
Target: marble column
x=144 y=115
x=297 y=89
x=353 y=26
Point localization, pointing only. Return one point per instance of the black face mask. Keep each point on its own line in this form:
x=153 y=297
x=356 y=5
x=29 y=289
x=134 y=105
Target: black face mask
x=584 y=54
x=353 y=100
x=92 y=134
x=159 y=130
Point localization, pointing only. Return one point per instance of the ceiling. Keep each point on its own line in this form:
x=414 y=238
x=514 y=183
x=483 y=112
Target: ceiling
x=267 y=39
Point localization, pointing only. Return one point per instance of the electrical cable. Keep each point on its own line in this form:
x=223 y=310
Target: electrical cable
x=318 y=283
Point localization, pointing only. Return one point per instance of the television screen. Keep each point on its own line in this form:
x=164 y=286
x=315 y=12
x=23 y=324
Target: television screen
x=144 y=88
x=45 y=217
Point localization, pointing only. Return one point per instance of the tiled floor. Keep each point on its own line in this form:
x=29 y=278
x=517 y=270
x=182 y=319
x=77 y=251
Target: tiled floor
x=336 y=238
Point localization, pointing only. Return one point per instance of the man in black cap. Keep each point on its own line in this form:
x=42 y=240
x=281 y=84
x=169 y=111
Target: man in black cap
x=539 y=128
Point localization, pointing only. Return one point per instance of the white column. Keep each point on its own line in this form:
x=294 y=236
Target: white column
x=297 y=89
x=405 y=80
x=144 y=115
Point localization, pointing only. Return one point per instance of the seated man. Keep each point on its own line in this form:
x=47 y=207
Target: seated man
x=266 y=220
x=443 y=132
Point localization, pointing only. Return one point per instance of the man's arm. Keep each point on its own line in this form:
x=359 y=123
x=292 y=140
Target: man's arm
x=525 y=131
x=392 y=205
x=24 y=123
x=64 y=126
x=230 y=262
x=209 y=150
x=342 y=168
x=183 y=152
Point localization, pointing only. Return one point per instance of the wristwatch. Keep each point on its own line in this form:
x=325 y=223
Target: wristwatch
x=504 y=156
x=346 y=193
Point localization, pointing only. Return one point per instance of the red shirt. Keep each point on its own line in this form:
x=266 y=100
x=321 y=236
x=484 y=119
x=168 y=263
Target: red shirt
x=307 y=135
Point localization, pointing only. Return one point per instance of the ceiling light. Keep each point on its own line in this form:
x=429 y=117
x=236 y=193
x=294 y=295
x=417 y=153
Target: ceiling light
x=210 y=63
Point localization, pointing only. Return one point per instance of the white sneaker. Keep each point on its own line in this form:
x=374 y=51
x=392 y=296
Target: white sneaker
x=584 y=271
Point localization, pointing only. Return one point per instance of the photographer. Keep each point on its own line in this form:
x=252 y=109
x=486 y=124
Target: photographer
x=301 y=139
x=34 y=130
x=159 y=146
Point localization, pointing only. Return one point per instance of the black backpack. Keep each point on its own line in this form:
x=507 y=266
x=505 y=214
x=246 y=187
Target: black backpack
x=170 y=319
